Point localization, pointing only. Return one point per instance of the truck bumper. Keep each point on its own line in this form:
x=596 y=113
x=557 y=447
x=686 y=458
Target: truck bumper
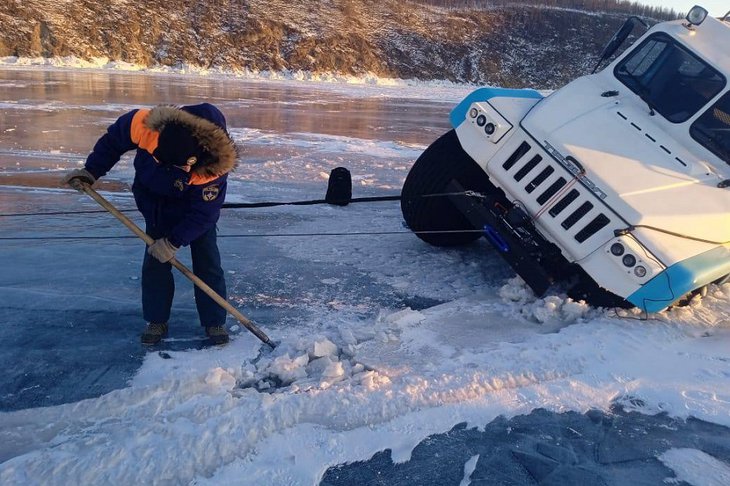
x=519 y=245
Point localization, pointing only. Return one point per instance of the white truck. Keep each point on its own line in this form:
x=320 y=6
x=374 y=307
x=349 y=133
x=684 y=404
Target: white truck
x=617 y=184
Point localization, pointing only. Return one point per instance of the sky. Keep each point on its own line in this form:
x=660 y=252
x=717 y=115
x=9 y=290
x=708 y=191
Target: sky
x=716 y=8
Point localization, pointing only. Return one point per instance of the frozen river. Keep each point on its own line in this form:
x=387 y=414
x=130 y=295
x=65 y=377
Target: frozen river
x=437 y=360
x=73 y=305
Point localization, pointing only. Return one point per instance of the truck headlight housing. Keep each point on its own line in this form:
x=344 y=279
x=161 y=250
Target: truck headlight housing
x=491 y=123
x=626 y=254
x=617 y=249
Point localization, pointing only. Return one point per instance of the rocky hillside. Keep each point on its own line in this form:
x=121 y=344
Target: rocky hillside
x=516 y=47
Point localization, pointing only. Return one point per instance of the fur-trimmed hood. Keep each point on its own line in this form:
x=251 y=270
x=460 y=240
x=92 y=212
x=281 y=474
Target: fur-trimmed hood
x=213 y=138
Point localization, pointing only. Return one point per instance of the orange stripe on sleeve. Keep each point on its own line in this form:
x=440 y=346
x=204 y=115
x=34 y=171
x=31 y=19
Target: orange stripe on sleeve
x=142 y=136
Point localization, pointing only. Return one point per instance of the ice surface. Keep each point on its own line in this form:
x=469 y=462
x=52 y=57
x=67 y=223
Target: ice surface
x=384 y=341
x=696 y=467
x=549 y=448
x=469 y=467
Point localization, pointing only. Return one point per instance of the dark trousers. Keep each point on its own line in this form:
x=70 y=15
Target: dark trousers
x=158 y=285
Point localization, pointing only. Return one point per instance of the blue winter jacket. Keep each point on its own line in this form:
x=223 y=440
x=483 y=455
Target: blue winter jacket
x=178 y=204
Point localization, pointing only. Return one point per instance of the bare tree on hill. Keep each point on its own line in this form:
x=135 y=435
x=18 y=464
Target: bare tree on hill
x=608 y=6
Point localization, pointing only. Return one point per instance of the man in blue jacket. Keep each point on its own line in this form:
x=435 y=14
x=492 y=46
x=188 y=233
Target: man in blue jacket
x=181 y=165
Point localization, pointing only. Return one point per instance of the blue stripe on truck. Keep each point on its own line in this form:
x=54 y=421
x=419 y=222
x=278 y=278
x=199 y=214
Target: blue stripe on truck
x=458 y=114
x=681 y=278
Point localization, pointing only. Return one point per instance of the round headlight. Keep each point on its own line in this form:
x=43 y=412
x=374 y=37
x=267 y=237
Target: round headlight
x=481 y=120
x=640 y=271
x=473 y=112
x=617 y=249
x=629 y=260
x=489 y=128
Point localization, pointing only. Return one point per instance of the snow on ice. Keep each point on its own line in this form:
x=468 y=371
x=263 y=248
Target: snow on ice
x=696 y=468
x=402 y=342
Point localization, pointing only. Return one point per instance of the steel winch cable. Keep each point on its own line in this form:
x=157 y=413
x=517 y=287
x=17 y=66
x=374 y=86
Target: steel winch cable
x=252 y=235
x=369 y=199
x=225 y=206
x=261 y=204
x=629 y=229
x=561 y=192
x=311 y=202
x=61 y=213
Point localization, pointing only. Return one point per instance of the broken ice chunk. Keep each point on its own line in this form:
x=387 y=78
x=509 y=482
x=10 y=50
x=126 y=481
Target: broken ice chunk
x=334 y=370
x=220 y=377
x=289 y=370
x=323 y=347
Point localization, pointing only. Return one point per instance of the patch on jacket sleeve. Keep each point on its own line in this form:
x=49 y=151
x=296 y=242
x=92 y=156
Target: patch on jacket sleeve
x=210 y=193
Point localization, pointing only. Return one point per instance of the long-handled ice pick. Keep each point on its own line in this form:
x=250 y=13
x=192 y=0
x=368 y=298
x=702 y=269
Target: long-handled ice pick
x=175 y=263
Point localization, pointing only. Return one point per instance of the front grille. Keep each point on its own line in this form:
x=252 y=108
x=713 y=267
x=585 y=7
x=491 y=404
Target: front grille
x=551 y=191
x=539 y=179
x=516 y=155
x=545 y=186
x=564 y=203
x=577 y=214
x=527 y=168
x=598 y=223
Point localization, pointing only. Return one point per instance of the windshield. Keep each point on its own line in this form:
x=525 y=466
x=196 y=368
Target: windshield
x=669 y=78
x=712 y=129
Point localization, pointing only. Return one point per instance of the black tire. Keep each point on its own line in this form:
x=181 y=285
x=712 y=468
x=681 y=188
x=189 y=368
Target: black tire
x=440 y=163
x=588 y=290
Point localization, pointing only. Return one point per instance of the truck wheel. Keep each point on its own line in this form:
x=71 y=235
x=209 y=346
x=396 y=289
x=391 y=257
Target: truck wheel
x=438 y=165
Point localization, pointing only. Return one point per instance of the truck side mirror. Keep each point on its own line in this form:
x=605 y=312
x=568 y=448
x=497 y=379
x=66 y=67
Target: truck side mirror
x=618 y=38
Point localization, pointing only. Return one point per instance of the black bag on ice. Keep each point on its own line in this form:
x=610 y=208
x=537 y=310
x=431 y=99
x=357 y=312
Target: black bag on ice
x=339 y=188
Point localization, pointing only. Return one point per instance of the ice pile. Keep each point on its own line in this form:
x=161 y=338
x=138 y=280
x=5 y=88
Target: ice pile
x=307 y=364
x=543 y=309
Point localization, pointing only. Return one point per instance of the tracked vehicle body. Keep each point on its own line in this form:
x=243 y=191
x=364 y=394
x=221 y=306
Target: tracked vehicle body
x=620 y=177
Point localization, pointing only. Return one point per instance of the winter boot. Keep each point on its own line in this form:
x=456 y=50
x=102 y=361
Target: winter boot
x=154 y=333
x=217 y=334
